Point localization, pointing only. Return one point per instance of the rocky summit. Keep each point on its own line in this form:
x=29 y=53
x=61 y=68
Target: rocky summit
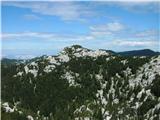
x=81 y=84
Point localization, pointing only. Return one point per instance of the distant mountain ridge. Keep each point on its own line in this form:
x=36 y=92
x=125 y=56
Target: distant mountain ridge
x=144 y=52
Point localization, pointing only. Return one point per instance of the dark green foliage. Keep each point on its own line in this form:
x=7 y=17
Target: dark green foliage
x=155 y=88
x=12 y=116
x=148 y=104
x=135 y=63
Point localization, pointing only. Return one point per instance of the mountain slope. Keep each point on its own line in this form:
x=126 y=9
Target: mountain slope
x=82 y=84
x=145 y=52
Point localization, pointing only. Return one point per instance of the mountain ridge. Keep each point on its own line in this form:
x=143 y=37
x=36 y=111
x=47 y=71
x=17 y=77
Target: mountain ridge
x=141 y=52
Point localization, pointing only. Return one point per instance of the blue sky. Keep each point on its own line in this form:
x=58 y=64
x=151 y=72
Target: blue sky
x=32 y=29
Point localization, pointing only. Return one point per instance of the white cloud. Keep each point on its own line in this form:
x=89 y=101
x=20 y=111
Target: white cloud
x=69 y=10
x=112 y=27
x=117 y=30
x=44 y=36
x=31 y=17
x=141 y=6
x=136 y=6
x=96 y=31
x=116 y=33
x=134 y=43
x=101 y=33
x=108 y=29
x=147 y=33
x=64 y=10
x=105 y=32
x=115 y=26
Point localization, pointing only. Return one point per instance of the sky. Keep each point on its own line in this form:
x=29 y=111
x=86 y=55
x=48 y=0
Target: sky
x=31 y=29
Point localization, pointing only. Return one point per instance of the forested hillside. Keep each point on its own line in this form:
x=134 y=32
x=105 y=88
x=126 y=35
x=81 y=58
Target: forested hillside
x=81 y=84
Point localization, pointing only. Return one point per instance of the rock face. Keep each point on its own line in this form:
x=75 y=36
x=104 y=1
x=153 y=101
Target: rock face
x=82 y=84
